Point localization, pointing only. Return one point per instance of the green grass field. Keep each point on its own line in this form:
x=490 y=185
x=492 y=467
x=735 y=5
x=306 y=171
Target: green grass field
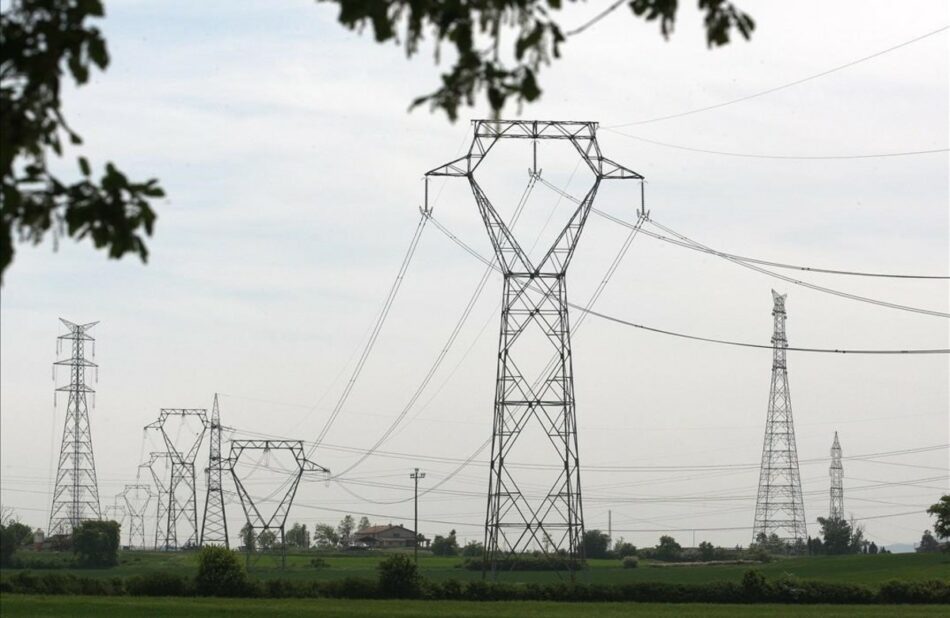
x=12 y=605
x=858 y=569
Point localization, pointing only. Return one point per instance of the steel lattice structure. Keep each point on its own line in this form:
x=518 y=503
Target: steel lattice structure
x=258 y=522
x=135 y=507
x=182 y=487
x=836 y=472
x=76 y=493
x=161 y=494
x=779 y=509
x=534 y=302
x=214 y=523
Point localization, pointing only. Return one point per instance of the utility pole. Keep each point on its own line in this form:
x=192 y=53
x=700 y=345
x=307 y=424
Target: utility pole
x=610 y=526
x=415 y=476
x=779 y=509
x=534 y=309
x=76 y=493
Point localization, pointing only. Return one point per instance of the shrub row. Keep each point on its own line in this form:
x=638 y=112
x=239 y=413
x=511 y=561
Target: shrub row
x=753 y=589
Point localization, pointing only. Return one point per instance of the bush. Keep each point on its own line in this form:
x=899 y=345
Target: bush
x=319 y=563
x=473 y=549
x=399 y=577
x=159 y=584
x=631 y=562
x=754 y=586
x=220 y=573
x=96 y=543
x=350 y=588
x=933 y=591
x=624 y=549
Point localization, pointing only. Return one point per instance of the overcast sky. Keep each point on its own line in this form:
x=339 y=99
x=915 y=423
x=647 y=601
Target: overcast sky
x=293 y=174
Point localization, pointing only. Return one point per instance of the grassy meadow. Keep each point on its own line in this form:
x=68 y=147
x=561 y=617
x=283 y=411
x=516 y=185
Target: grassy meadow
x=853 y=569
x=117 y=607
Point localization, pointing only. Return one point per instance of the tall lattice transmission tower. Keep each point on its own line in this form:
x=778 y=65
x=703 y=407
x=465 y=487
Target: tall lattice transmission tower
x=836 y=471
x=76 y=493
x=779 y=509
x=534 y=313
x=182 y=506
x=214 y=524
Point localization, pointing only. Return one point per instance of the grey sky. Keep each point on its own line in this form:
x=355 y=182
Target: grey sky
x=293 y=174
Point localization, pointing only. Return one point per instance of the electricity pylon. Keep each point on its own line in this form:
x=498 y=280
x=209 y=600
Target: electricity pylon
x=161 y=495
x=836 y=471
x=779 y=509
x=534 y=308
x=182 y=494
x=258 y=522
x=76 y=493
x=214 y=523
x=137 y=497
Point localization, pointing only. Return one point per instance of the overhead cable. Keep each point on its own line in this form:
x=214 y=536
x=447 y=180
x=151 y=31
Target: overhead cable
x=753 y=155
x=671 y=333
x=783 y=86
x=812 y=286
x=374 y=335
x=437 y=363
x=700 y=247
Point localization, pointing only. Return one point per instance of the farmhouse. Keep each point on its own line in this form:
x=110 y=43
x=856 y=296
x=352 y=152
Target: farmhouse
x=385 y=536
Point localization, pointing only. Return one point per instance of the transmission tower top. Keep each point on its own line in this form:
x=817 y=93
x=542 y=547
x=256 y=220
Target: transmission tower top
x=581 y=134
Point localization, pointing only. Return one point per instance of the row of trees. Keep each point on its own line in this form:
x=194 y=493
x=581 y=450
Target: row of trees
x=324 y=536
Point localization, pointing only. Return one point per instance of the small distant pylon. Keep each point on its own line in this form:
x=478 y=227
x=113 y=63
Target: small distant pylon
x=76 y=492
x=137 y=497
x=836 y=471
x=779 y=509
x=214 y=523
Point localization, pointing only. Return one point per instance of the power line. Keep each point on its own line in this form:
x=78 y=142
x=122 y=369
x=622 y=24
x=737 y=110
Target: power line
x=685 y=241
x=671 y=333
x=806 y=284
x=610 y=9
x=371 y=342
x=783 y=86
x=749 y=155
x=762 y=262
x=448 y=344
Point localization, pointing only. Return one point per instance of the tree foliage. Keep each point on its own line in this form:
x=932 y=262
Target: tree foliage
x=267 y=540
x=941 y=510
x=475 y=30
x=248 y=538
x=445 y=545
x=473 y=549
x=345 y=530
x=298 y=536
x=668 y=549
x=399 y=577
x=364 y=523
x=96 y=543
x=325 y=536
x=841 y=537
x=596 y=544
x=13 y=536
x=928 y=543
x=220 y=573
x=42 y=40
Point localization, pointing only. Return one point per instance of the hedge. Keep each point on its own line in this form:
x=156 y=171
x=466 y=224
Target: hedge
x=753 y=589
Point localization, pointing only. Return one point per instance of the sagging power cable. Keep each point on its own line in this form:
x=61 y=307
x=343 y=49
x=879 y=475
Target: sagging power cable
x=661 y=331
x=374 y=335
